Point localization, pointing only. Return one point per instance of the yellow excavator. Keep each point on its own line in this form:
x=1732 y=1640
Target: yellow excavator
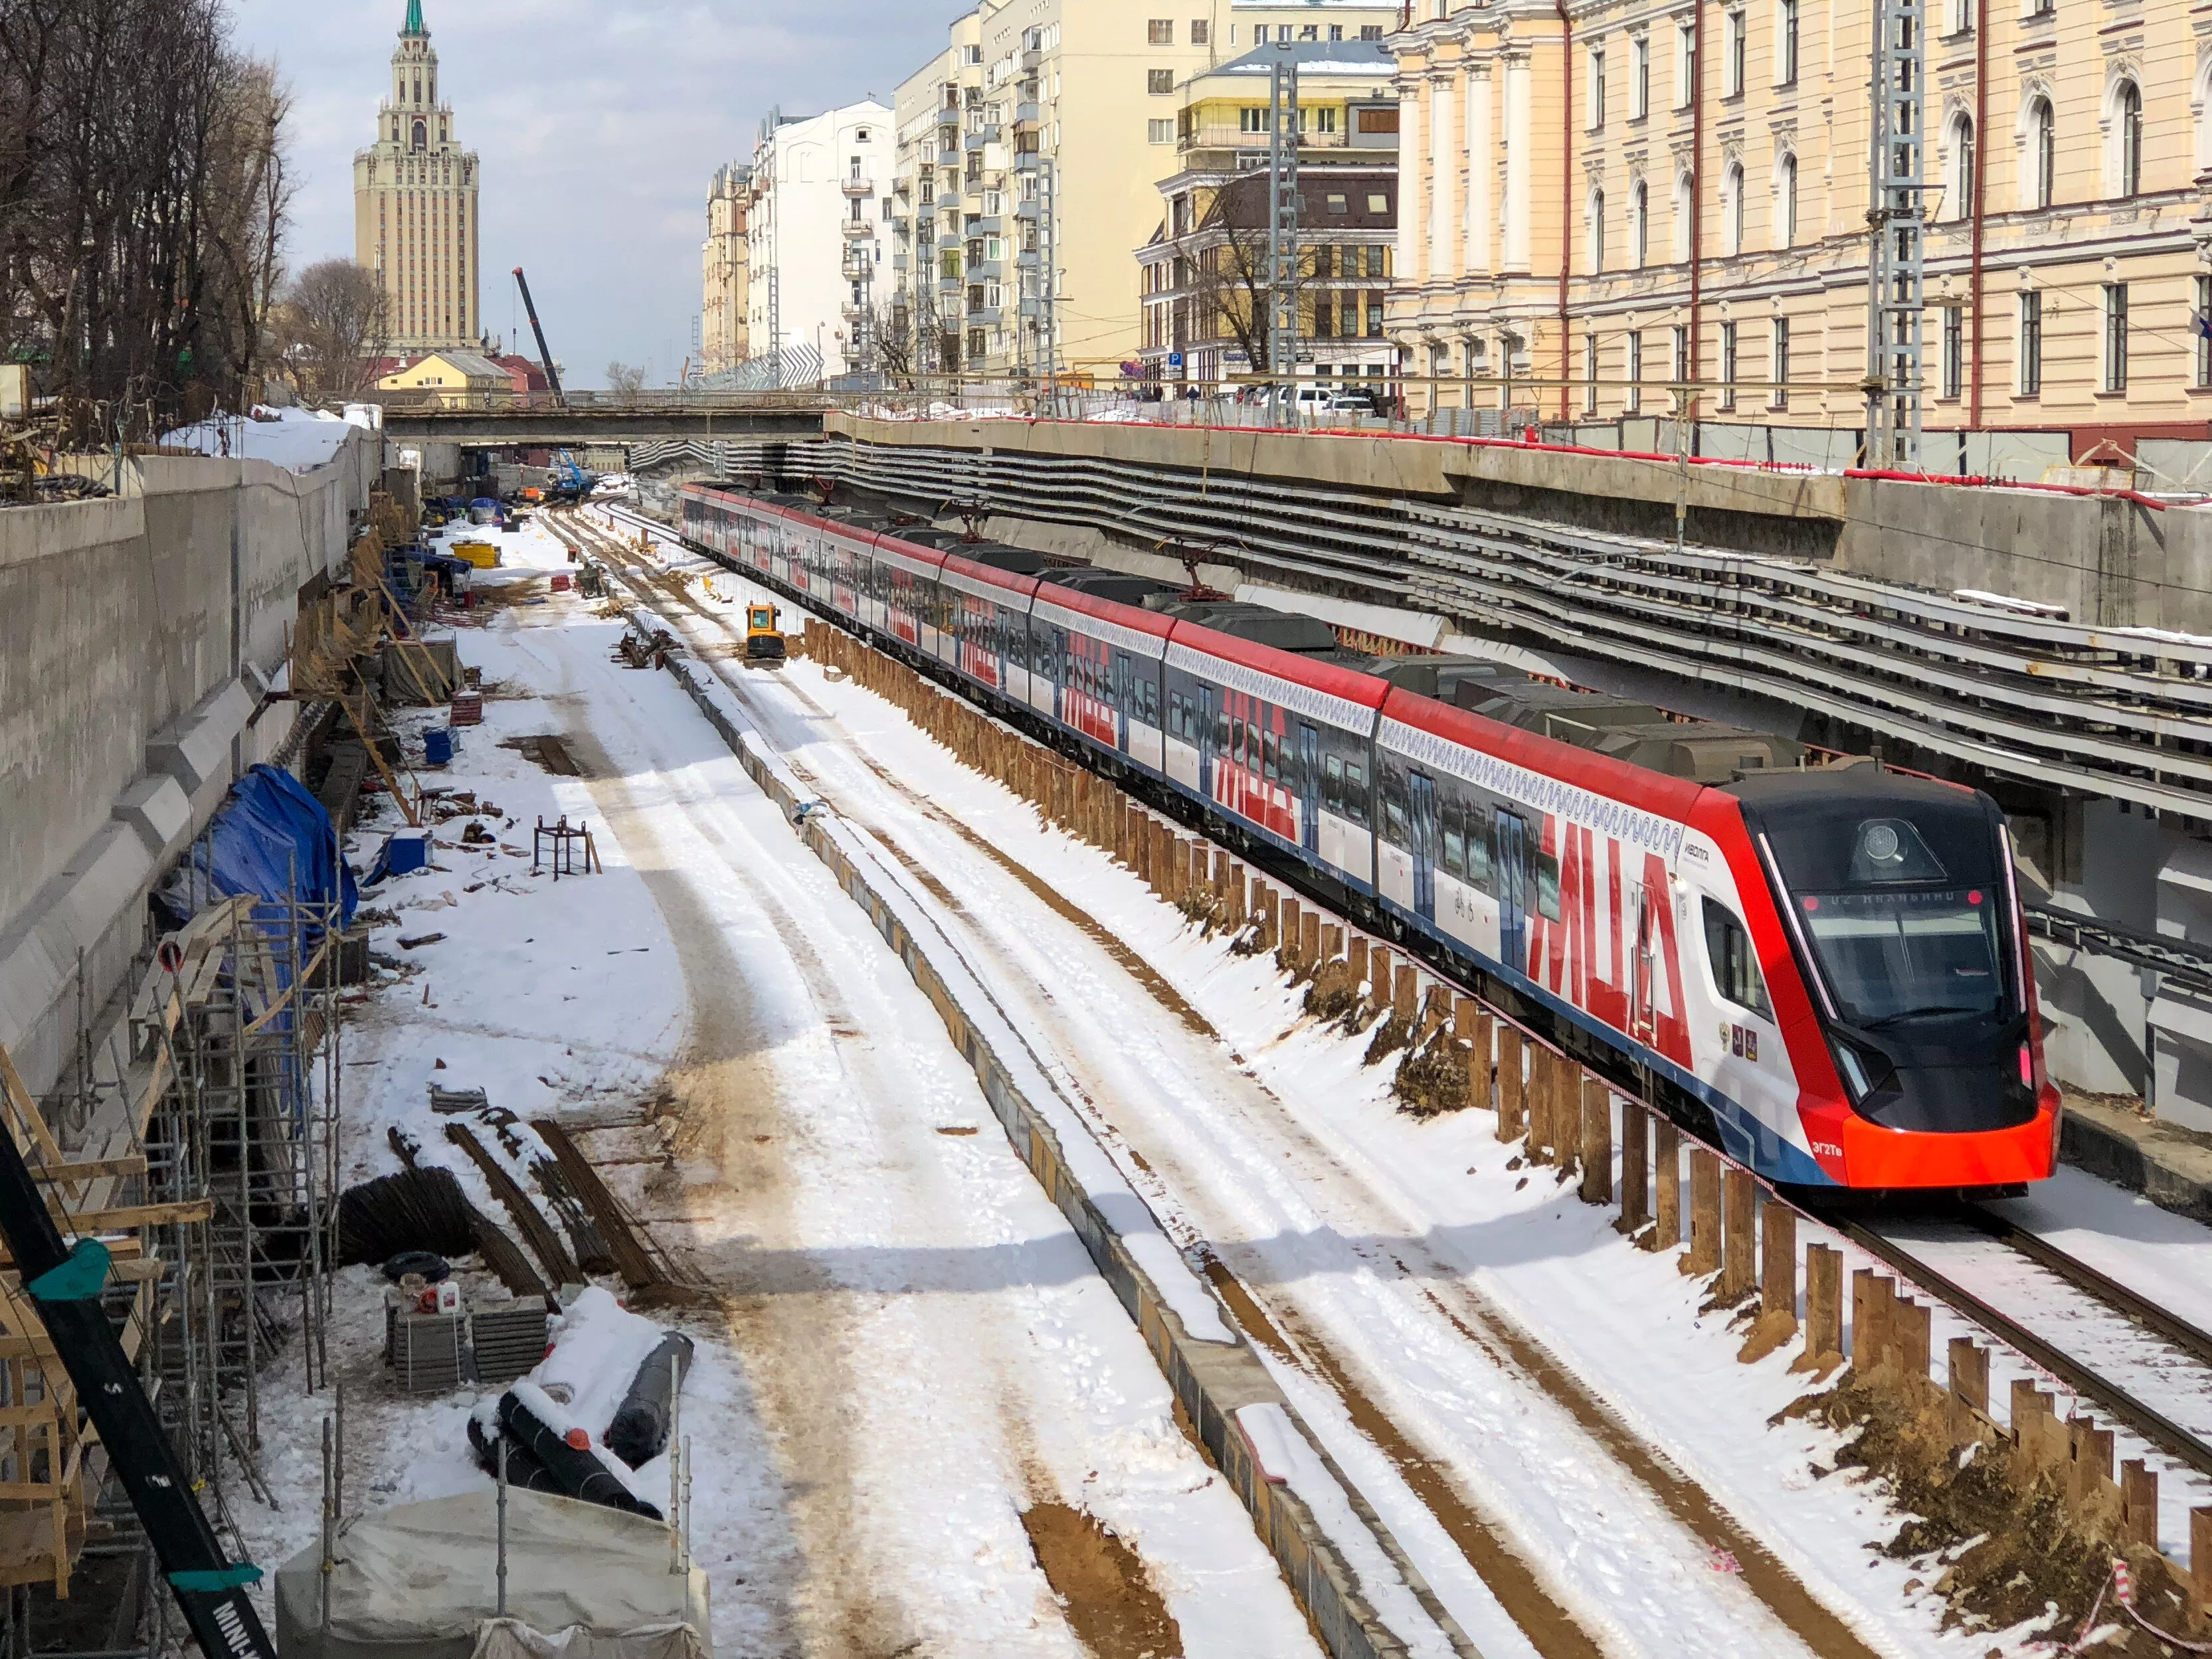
x=764 y=644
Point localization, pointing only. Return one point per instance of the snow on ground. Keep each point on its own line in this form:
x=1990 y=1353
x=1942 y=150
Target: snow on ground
x=913 y=1348
x=1271 y=1141
x=298 y=439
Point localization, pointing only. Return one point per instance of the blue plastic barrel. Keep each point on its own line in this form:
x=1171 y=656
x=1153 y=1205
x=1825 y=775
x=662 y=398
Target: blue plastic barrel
x=438 y=745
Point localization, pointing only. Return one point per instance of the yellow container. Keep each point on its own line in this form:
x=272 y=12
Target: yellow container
x=483 y=555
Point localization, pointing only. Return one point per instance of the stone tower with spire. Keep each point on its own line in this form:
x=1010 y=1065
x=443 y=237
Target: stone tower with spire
x=415 y=205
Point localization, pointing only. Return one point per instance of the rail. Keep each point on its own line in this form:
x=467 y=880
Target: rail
x=2188 y=965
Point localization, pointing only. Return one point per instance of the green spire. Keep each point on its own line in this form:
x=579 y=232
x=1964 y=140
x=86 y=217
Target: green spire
x=414 y=19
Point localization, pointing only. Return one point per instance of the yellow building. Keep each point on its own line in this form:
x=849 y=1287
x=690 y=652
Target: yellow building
x=723 y=329
x=1203 y=276
x=1660 y=192
x=1039 y=139
x=451 y=377
x=415 y=205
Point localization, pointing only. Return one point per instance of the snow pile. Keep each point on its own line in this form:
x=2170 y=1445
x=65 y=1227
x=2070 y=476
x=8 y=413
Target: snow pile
x=597 y=1350
x=297 y=439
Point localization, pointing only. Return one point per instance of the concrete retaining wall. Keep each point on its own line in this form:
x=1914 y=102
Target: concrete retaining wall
x=129 y=627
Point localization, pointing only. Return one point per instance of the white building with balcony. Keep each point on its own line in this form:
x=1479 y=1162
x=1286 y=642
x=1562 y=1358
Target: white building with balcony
x=817 y=239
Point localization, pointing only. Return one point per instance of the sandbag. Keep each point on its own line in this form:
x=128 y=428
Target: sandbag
x=579 y=1474
x=639 y=1432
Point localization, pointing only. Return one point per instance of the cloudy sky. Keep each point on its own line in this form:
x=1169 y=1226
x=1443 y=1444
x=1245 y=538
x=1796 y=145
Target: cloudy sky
x=600 y=124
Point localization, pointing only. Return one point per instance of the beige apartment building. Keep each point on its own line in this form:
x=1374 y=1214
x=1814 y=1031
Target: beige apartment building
x=1654 y=192
x=1203 y=276
x=723 y=327
x=1035 y=144
x=415 y=205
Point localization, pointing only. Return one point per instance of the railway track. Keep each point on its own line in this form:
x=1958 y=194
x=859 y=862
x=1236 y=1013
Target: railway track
x=2148 y=1369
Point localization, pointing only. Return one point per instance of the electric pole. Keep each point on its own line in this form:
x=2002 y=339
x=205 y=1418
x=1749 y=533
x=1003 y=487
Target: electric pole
x=1282 y=333
x=1896 y=274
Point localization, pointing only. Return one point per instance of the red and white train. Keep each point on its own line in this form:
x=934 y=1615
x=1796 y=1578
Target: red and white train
x=1823 y=970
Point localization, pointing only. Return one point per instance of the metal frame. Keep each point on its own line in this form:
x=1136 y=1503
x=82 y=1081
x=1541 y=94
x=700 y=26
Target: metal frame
x=1896 y=276
x=1283 y=221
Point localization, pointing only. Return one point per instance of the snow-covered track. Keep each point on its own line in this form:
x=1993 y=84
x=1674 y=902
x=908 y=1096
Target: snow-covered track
x=2151 y=1370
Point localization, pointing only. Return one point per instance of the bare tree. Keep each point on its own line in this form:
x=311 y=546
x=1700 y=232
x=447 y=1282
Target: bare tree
x=143 y=201
x=624 y=379
x=336 y=320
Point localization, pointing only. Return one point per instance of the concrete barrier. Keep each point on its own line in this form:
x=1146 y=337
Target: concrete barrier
x=1212 y=1381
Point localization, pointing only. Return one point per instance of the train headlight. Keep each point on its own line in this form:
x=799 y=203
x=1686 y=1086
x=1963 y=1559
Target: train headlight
x=1852 y=1070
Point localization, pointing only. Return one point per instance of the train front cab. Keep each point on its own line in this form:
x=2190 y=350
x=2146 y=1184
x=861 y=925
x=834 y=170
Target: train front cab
x=1276 y=744
x=1893 y=906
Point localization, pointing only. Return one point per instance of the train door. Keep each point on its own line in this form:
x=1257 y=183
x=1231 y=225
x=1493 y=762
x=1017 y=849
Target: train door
x=1642 y=1000
x=1309 y=790
x=1205 y=756
x=1511 y=872
x=1423 y=791
x=1124 y=698
x=1060 y=675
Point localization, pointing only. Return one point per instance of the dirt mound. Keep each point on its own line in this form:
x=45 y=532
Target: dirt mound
x=1998 y=1540
x=1432 y=1078
x=1102 y=1584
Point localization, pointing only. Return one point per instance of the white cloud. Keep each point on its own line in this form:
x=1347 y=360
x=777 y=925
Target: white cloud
x=600 y=124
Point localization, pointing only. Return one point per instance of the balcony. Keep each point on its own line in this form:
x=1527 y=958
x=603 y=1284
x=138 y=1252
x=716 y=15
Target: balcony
x=856 y=188
x=1025 y=115
x=992 y=268
x=979 y=224
x=949 y=117
x=949 y=158
x=983 y=317
x=1030 y=62
x=858 y=230
x=1025 y=161
x=898 y=262
x=977 y=137
x=1028 y=259
x=1028 y=211
x=1222 y=136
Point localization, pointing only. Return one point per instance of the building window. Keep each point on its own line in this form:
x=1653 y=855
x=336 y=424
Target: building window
x=1785 y=43
x=1955 y=350
x=1597 y=89
x=2030 y=343
x=1160 y=132
x=1201 y=30
x=1374 y=315
x=1640 y=224
x=2116 y=336
x=1251 y=117
x=1684 y=183
x=2200 y=330
x=1732 y=208
x=1733 y=72
x=1160 y=32
x=1728 y=366
x=1779 y=397
x=1679 y=357
x=1634 y=400
x=1597 y=230
x=1157 y=81
x=2127 y=109
x=1686 y=64
x=1785 y=201
x=1959 y=185
x=1639 y=77
x=1370 y=31
x=1589 y=374
x=2043 y=138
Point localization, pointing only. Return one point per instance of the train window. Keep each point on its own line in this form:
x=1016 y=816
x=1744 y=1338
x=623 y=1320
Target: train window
x=1394 y=820
x=1547 y=885
x=1150 y=689
x=1478 y=848
x=1735 y=964
x=1174 y=713
x=1456 y=840
x=1237 y=741
x=1332 y=770
x=1221 y=743
x=1355 y=793
x=1269 y=756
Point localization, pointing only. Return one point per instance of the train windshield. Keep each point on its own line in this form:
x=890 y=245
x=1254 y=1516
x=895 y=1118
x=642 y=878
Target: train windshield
x=1903 y=906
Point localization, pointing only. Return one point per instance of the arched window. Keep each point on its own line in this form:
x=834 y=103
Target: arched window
x=1785 y=201
x=2127 y=115
x=1640 y=224
x=1732 y=209
x=1685 y=185
x=421 y=136
x=1959 y=176
x=1597 y=230
x=2043 y=152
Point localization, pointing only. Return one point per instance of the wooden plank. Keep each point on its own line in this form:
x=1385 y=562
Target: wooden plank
x=125 y=1217
x=118 y=1167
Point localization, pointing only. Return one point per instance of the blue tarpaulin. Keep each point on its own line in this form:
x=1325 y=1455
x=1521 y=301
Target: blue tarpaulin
x=271 y=838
